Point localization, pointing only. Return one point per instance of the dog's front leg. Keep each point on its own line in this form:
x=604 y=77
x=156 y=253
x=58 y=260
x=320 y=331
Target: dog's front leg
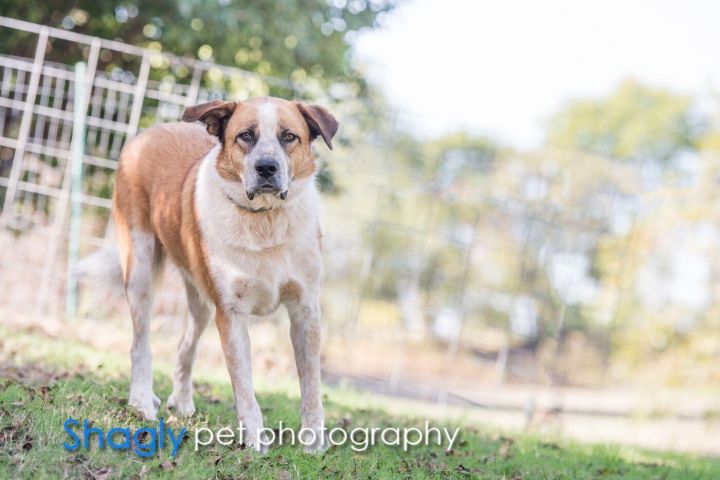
x=306 y=336
x=236 y=346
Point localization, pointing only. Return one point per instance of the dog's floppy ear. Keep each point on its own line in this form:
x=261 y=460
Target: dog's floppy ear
x=213 y=114
x=320 y=121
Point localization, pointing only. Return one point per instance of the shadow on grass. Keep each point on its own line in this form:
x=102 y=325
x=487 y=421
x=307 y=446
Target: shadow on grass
x=36 y=400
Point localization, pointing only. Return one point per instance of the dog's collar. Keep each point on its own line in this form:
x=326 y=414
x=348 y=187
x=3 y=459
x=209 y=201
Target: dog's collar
x=248 y=209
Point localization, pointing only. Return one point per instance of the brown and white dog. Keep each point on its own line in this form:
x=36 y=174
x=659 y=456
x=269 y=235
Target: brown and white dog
x=235 y=207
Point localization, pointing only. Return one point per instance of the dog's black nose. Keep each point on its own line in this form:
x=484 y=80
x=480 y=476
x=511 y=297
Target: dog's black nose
x=266 y=168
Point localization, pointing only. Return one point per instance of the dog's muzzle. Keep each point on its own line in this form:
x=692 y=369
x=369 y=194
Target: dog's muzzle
x=267 y=180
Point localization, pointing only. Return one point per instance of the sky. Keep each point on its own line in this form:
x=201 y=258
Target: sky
x=500 y=68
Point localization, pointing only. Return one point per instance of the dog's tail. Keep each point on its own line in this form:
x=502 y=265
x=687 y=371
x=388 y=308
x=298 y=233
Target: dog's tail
x=102 y=272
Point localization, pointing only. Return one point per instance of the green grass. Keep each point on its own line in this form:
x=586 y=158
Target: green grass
x=41 y=389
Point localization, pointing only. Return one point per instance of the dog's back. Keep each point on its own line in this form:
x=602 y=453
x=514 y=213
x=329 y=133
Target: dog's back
x=151 y=171
x=156 y=162
x=153 y=186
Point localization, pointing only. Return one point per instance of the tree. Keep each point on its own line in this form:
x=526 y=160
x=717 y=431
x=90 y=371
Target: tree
x=294 y=39
x=635 y=122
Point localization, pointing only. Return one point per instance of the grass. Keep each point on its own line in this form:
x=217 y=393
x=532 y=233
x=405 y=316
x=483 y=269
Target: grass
x=44 y=381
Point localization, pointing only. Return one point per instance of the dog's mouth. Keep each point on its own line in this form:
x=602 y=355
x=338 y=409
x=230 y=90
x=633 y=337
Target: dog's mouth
x=267 y=188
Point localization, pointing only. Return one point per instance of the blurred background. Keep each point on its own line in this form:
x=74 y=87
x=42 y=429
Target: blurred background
x=521 y=218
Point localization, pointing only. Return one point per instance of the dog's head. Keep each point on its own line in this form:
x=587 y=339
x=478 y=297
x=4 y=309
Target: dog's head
x=265 y=142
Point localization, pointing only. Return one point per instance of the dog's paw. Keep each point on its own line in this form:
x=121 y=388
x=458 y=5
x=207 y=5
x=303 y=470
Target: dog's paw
x=183 y=405
x=316 y=449
x=147 y=406
x=256 y=439
x=314 y=441
x=259 y=444
x=261 y=448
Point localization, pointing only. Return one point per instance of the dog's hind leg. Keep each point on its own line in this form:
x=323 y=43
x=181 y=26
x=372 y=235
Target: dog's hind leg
x=201 y=310
x=142 y=265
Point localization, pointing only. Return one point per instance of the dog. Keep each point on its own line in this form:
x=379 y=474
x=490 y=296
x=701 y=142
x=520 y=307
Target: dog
x=234 y=205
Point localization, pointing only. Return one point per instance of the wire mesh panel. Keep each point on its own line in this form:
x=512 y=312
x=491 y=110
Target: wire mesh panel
x=129 y=89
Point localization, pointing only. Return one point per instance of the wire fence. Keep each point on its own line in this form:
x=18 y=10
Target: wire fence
x=429 y=267
x=36 y=103
x=36 y=117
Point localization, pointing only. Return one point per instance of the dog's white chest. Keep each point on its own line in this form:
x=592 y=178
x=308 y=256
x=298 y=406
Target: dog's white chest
x=256 y=260
x=249 y=283
x=252 y=282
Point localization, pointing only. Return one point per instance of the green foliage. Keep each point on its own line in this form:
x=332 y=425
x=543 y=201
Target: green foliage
x=294 y=39
x=424 y=191
x=710 y=141
x=472 y=151
x=634 y=122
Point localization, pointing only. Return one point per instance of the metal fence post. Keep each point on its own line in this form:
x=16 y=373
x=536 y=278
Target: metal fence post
x=139 y=95
x=76 y=168
x=25 y=123
x=58 y=228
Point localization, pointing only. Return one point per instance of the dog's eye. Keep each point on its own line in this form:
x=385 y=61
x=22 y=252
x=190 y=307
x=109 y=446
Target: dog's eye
x=288 y=137
x=246 y=137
